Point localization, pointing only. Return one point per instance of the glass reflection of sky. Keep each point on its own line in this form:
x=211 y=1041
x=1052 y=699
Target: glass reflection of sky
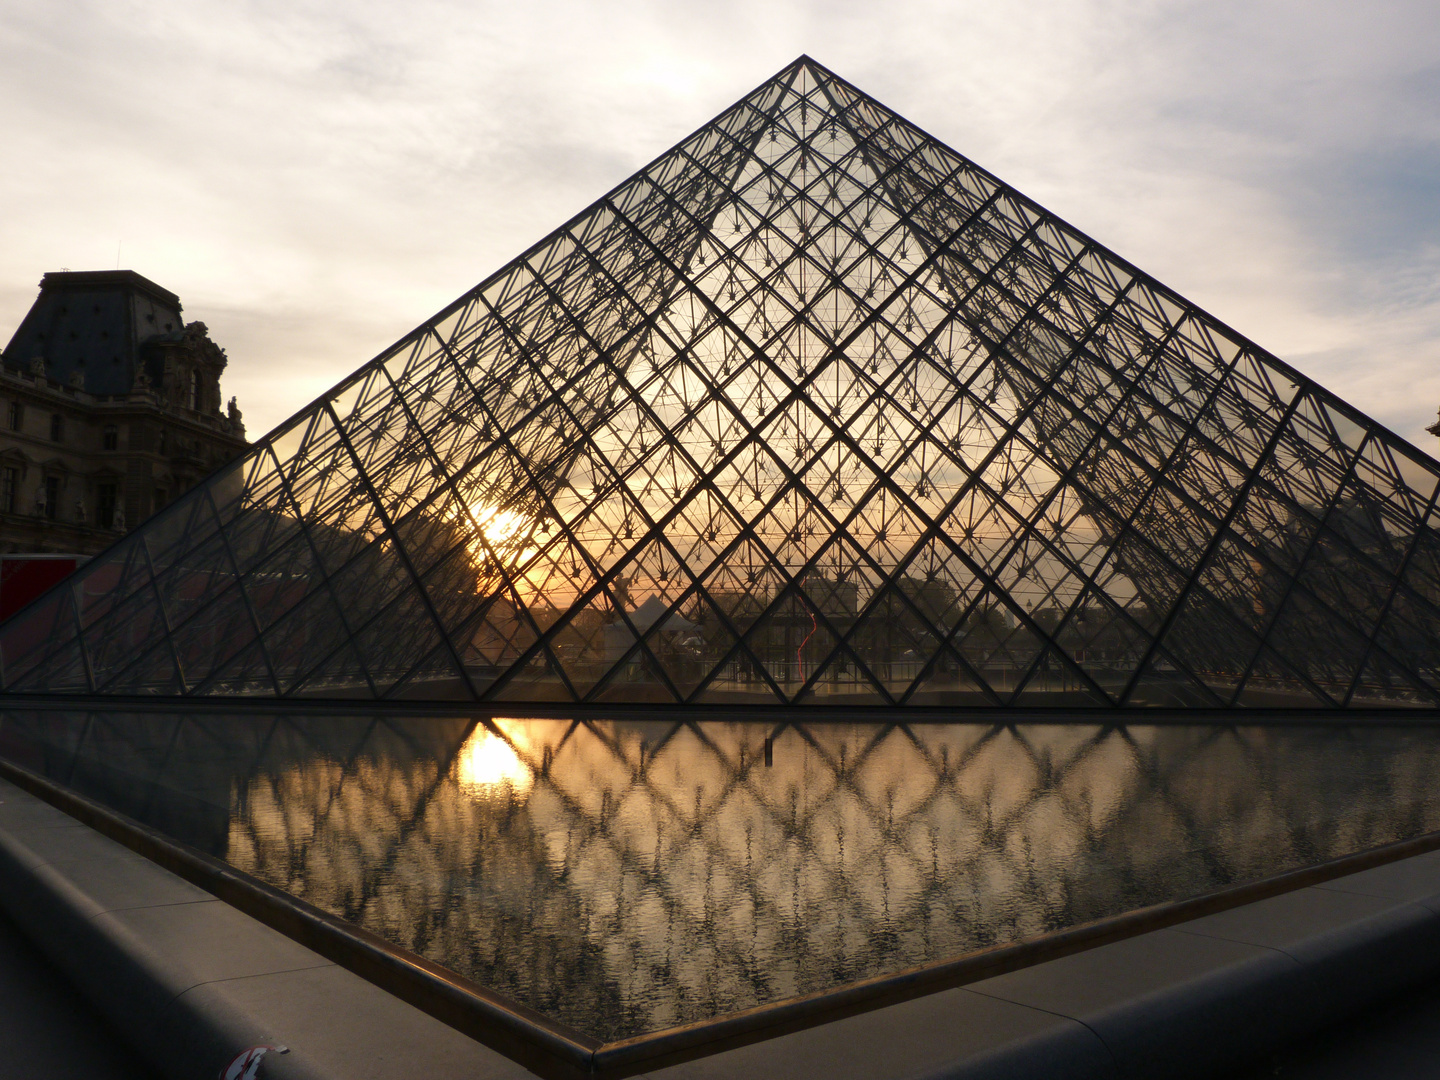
x=627 y=876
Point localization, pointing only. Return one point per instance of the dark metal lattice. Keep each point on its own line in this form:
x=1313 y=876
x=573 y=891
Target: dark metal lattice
x=810 y=410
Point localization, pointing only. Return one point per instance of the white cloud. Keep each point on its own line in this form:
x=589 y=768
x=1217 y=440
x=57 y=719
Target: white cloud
x=315 y=178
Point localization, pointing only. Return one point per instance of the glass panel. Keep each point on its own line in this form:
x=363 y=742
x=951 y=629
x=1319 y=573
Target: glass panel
x=1164 y=684
x=432 y=679
x=32 y=636
x=1054 y=683
x=341 y=676
x=536 y=680
x=1272 y=684
x=109 y=578
x=830 y=414
x=216 y=633
x=152 y=674
x=1383 y=684
x=129 y=630
x=247 y=675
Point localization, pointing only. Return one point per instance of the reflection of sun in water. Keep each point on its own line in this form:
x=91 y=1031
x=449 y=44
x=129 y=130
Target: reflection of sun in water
x=488 y=766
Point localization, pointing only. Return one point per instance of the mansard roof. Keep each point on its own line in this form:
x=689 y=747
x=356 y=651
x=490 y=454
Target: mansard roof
x=95 y=323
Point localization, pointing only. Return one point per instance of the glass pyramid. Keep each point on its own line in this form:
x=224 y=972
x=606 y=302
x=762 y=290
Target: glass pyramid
x=811 y=410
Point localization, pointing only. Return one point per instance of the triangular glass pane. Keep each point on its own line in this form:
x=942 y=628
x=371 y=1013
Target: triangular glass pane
x=304 y=637
x=895 y=638
x=1103 y=641
x=1408 y=635
x=948 y=681
x=1054 y=682
x=287 y=577
x=110 y=579
x=370 y=581
x=1210 y=644
x=342 y=676
x=213 y=635
x=30 y=637
x=997 y=644
x=129 y=630
x=179 y=529
x=153 y=674
x=191 y=582
x=247 y=675
x=1383 y=685
x=1272 y=684
x=791 y=641
x=690 y=644
x=639 y=675
x=843 y=681
x=1318 y=643
x=1164 y=684
x=433 y=679
x=62 y=672
x=537 y=679
x=741 y=680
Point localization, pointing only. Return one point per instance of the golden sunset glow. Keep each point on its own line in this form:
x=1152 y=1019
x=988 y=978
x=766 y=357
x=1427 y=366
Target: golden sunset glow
x=498 y=527
x=489 y=766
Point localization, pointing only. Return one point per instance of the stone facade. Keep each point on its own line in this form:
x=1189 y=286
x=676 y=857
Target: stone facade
x=110 y=407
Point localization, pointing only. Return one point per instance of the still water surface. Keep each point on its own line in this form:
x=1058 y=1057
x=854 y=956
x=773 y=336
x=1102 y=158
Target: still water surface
x=623 y=877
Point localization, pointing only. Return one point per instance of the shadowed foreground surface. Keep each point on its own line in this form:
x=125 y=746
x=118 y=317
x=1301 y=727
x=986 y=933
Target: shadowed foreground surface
x=47 y=1030
x=1398 y=1040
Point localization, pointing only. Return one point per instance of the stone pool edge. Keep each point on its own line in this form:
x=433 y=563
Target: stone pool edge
x=192 y=981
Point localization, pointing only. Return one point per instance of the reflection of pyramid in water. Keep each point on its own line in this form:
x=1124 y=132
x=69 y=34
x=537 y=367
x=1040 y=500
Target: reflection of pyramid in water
x=811 y=409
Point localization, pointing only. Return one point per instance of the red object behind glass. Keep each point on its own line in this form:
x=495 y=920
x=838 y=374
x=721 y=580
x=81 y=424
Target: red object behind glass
x=24 y=577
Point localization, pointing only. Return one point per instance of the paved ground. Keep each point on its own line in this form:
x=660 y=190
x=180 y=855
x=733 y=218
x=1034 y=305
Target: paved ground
x=1399 y=1040
x=47 y=1030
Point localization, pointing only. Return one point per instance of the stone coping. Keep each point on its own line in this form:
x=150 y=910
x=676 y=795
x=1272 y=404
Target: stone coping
x=193 y=981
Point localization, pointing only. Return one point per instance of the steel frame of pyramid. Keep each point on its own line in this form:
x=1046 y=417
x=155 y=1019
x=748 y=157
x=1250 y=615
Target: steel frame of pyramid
x=810 y=410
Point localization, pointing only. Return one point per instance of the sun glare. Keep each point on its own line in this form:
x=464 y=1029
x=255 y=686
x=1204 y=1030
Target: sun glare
x=489 y=766
x=498 y=526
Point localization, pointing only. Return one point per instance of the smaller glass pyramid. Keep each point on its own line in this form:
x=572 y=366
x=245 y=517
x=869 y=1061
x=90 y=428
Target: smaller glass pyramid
x=811 y=410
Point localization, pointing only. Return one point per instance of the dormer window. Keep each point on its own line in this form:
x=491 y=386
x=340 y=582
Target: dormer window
x=194 y=389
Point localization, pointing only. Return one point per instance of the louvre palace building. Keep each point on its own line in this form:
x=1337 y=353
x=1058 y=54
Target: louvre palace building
x=110 y=407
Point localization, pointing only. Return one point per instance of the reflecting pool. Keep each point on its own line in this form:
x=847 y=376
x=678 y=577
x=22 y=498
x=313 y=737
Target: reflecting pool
x=626 y=876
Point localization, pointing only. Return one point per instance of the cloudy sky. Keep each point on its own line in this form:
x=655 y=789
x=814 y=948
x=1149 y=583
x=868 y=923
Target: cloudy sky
x=314 y=178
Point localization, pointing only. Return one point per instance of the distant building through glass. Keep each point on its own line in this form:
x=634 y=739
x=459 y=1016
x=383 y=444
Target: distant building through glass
x=811 y=410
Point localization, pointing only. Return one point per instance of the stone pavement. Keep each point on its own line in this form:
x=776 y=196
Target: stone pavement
x=47 y=1030
x=1397 y=1040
